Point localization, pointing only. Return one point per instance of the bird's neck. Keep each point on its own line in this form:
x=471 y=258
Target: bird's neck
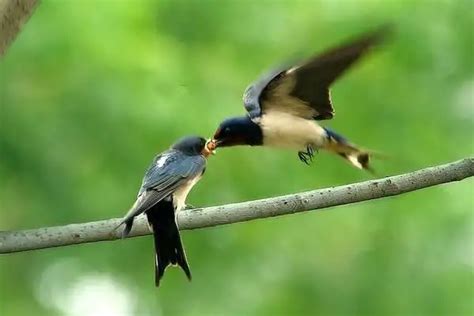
x=253 y=133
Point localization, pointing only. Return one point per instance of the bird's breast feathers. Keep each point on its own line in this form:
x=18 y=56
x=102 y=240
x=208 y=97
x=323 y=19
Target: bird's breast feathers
x=179 y=196
x=285 y=130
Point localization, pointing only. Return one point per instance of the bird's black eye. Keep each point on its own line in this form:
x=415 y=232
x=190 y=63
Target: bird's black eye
x=227 y=130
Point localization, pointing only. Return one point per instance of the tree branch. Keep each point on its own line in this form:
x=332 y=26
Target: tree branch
x=13 y=14
x=16 y=241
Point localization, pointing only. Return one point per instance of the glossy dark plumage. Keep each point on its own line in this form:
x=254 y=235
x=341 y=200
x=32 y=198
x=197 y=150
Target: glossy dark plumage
x=163 y=191
x=239 y=130
x=168 y=246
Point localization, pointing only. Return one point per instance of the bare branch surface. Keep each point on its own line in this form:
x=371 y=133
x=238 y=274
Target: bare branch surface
x=16 y=241
x=13 y=14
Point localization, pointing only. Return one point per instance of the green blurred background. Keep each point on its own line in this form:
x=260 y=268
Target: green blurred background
x=91 y=90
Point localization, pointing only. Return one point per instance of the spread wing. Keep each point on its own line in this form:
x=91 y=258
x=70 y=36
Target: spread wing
x=303 y=90
x=168 y=171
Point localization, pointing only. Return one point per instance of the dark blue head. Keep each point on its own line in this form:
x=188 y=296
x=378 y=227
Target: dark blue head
x=190 y=145
x=238 y=131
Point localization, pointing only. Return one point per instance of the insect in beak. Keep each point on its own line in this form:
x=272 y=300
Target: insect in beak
x=209 y=148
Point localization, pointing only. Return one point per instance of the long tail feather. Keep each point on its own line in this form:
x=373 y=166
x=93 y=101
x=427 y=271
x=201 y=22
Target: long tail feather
x=357 y=157
x=168 y=247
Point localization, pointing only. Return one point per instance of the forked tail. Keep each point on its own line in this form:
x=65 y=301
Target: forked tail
x=168 y=247
x=357 y=157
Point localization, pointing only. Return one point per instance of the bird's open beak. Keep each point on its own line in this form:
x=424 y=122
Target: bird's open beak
x=209 y=148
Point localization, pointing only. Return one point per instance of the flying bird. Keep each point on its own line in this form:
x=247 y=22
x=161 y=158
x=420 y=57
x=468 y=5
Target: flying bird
x=284 y=105
x=163 y=192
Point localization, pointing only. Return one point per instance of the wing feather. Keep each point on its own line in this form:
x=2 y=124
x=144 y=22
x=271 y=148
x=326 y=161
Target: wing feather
x=303 y=90
x=161 y=180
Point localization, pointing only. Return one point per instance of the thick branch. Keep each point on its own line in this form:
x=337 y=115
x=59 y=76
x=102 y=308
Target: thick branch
x=13 y=14
x=239 y=212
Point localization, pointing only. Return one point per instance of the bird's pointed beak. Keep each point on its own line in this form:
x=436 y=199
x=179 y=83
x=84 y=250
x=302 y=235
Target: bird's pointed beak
x=217 y=142
x=216 y=139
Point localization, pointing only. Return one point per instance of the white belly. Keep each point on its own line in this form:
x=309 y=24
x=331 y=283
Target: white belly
x=288 y=131
x=179 y=196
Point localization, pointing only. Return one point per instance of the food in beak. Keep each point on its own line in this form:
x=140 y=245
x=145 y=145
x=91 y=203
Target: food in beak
x=209 y=148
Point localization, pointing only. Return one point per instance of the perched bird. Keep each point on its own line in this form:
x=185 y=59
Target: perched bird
x=163 y=192
x=283 y=105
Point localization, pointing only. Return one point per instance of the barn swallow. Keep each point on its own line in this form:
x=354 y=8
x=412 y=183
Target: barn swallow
x=284 y=105
x=163 y=192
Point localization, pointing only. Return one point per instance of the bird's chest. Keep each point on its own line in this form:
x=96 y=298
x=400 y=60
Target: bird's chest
x=288 y=131
x=179 y=196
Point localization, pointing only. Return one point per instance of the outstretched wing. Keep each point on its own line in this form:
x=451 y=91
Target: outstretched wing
x=303 y=90
x=168 y=171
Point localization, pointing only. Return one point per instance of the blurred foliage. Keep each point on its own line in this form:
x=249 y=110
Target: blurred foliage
x=91 y=90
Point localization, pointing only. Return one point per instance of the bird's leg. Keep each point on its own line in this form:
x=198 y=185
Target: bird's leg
x=310 y=151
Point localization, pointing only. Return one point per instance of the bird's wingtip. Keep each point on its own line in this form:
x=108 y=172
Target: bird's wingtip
x=126 y=230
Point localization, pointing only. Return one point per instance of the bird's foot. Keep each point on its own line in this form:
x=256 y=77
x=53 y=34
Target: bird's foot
x=304 y=157
x=189 y=207
x=307 y=156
